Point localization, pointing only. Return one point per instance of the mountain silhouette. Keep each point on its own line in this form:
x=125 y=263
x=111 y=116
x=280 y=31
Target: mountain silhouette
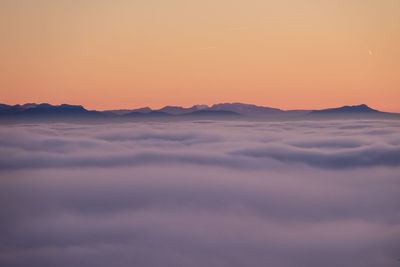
x=245 y=109
x=222 y=110
x=151 y=113
x=209 y=112
x=347 y=109
x=45 y=110
x=177 y=110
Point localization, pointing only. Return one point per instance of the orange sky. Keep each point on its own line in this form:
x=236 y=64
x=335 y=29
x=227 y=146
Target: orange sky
x=124 y=54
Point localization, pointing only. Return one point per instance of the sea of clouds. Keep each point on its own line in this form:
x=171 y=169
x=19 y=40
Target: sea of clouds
x=201 y=193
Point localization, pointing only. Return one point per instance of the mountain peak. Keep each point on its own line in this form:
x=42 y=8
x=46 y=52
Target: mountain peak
x=200 y=107
x=245 y=109
x=362 y=108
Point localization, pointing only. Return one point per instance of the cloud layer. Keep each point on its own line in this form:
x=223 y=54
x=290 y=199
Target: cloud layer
x=200 y=194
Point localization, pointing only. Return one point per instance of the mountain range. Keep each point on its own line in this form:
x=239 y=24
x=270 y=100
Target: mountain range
x=216 y=111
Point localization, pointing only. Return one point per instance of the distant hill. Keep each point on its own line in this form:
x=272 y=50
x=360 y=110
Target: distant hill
x=126 y=111
x=209 y=112
x=352 y=112
x=152 y=113
x=245 y=109
x=347 y=109
x=177 y=110
x=15 y=109
x=47 y=111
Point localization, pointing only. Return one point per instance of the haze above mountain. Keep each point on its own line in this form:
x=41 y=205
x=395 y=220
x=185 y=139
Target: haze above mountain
x=221 y=110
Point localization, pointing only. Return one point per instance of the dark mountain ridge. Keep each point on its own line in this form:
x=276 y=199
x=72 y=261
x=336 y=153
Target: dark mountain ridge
x=222 y=110
x=45 y=110
x=245 y=109
x=347 y=109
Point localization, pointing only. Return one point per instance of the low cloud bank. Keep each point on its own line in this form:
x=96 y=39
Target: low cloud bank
x=200 y=194
x=228 y=145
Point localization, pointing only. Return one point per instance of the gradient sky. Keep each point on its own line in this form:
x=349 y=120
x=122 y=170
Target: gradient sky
x=125 y=54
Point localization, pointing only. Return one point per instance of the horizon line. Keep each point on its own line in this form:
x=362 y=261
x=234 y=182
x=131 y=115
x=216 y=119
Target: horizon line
x=183 y=106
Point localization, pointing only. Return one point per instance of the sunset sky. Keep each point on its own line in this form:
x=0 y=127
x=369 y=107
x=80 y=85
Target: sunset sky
x=290 y=54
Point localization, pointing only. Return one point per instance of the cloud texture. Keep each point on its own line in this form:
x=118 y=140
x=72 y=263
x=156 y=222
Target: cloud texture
x=200 y=194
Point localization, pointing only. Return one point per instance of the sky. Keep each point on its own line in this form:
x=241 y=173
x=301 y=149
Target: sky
x=125 y=54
